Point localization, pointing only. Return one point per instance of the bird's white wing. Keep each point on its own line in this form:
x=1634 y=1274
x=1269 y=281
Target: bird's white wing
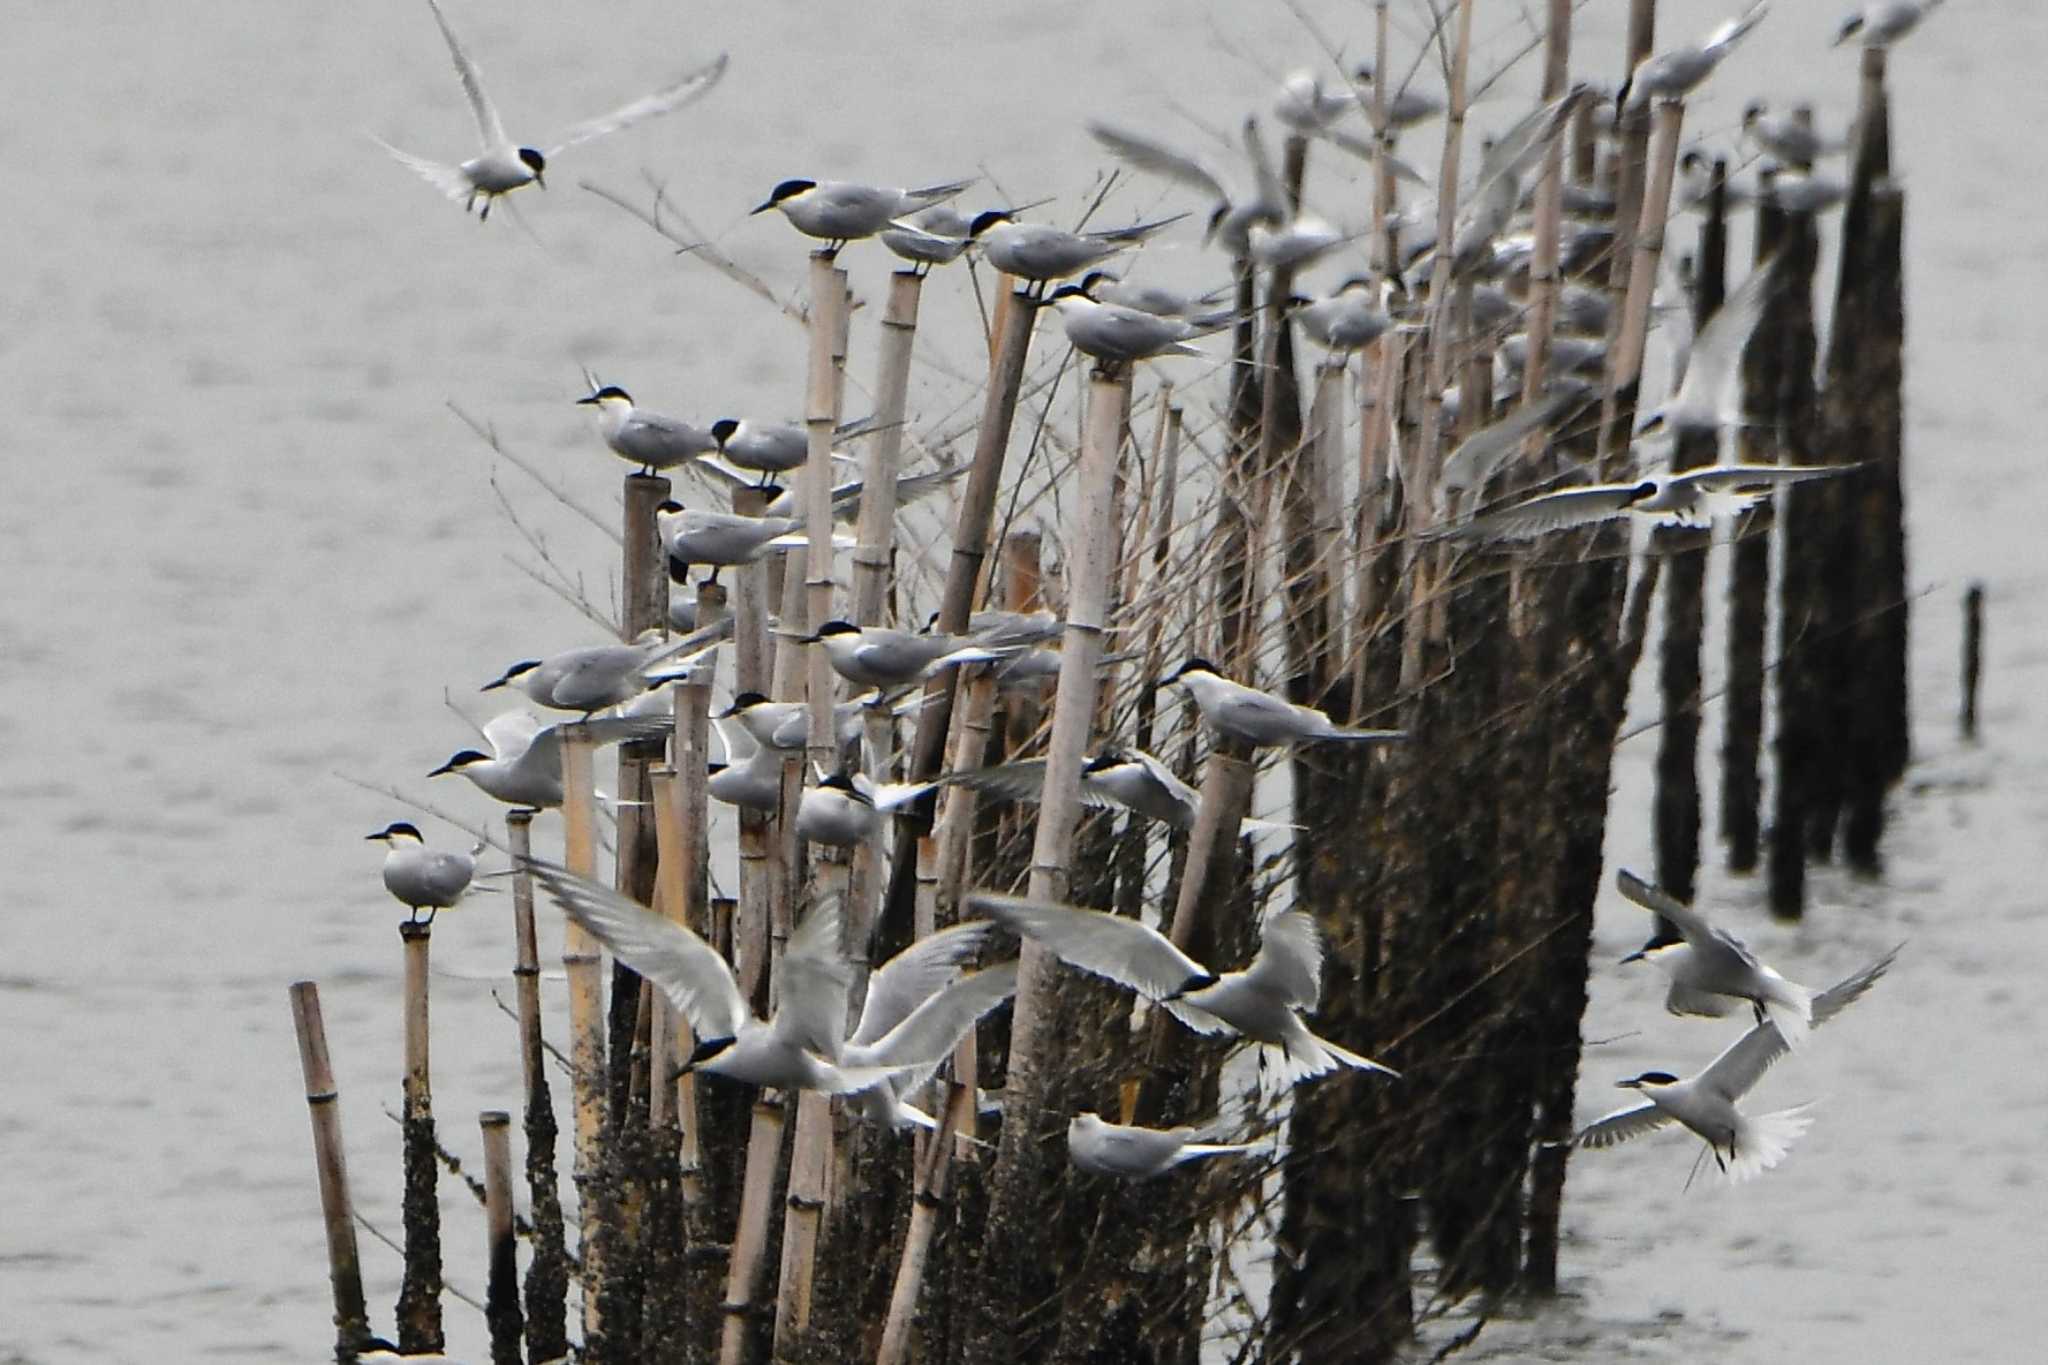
x=511 y=732
x=686 y=968
x=1020 y=781
x=1242 y=706
x=930 y=1032
x=1724 y=37
x=1165 y=777
x=1682 y=916
x=489 y=128
x=1147 y=155
x=1713 y=367
x=1290 y=958
x=666 y=100
x=546 y=745
x=1726 y=477
x=1485 y=450
x=1123 y=950
x=448 y=179
x=1744 y=1061
x=890 y=795
x=914 y=976
x=1621 y=1125
x=1559 y=511
x=812 y=984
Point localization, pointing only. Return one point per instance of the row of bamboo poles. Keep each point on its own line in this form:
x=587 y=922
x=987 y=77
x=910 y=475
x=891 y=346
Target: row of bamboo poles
x=1453 y=877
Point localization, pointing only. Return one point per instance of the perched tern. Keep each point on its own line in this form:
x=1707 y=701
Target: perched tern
x=1260 y=718
x=844 y=809
x=1789 y=140
x=524 y=767
x=1711 y=969
x=1676 y=73
x=751 y=776
x=876 y=656
x=1127 y=1152
x=723 y=539
x=1881 y=25
x=593 y=677
x=1706 y=1103
x=1264 y=1002
x=936 y=236
x=422 y=878
x=837 y=211
x=646 y=438
x=1115 y=779
x=504 y=165
x=1120 y=336
x=1159 y=300
x=1347 y=320
x=1040 y=253
x=800 y=1048
x=1801 y=194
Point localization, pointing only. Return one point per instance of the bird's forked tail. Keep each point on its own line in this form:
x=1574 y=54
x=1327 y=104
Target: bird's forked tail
x=1762 y=1141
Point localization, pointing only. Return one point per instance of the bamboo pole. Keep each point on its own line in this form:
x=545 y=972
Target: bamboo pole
x=750 y=1243
x=973 y=721
x=1016 y=1179
x=1011 y=349
x=821 y=418
x=501 y=1292
x=1632 y=128
x=877 y=528
x=547 y=1275
x=1549 y=215
x=582 y=963
x=810 y=1164
x=644 y=594
x=323 y=1107
x=926 y=1205
x=1973 y=657
x=1625 y=366
x=419 y=1293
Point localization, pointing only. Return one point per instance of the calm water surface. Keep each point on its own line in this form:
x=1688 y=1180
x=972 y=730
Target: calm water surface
x=246 y=546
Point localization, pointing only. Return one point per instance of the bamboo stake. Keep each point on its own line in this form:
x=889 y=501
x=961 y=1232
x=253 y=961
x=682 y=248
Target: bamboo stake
x=1015 y=1181
x=501 y=1294
x=323 y=1101
x=547 y=1276
x=821 y=417
x=810 y=1162
x=973 y=722
x=929 y=1200
x=582 y=963
x=419 y=1293
x=644 y=580
x=877 y=528
x=1625 y=367
x=1973 y=656
x=750 y=1244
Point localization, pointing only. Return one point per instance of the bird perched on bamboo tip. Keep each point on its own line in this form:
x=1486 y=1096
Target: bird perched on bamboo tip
x=422 y=878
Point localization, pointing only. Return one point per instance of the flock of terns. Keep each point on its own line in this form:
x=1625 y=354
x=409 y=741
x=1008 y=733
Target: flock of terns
x=920 y=1004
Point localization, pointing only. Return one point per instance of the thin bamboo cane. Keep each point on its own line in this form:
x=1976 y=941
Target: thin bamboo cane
x=547 y=1277
x=581 y=963
x=877 y=529
x=821 y=417
x=1626 y=367
x=973 y=722
x=323 y=1107
x=750 y=1243
x=644 y=593
x=501 y=1292
x=419 y=1293
x=925 y=1208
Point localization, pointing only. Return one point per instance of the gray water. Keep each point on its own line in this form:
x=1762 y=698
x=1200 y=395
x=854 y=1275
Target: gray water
x=246 y=546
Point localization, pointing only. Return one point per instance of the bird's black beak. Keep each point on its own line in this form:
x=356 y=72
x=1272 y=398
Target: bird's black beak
x=444 y=768
x=1636 y=956
x=591 y=399
x=540 y=180
x=379 y=834
x=761 y=207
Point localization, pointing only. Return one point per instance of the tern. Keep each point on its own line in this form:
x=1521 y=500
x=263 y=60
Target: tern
x=1711 y=969
x=1406 y=107
x=723 y=539
x=1157 y=299
x=1261 y=719
x=1347 y=320
x=1264 y=1002
x=504 y=165
x=1690 y=499
x=1787 y=139
x=1678 y=72
x=844 y=809
x=1230 y=216
x=838 y=211
x=1706 y=1103
x=785 y=725
x=524 y=767
x=1883 y=24
x=423 y=878
x=1127 y=1152
x=1709 y=394
x=751 y=776
x=765 y=447
x=800 y=1048
x=876 y=656
x=1040 y=253
x=646 y=438
x=1479 y=456
x=596 y=676
x=924 y=990
x=1125 y=778
x=1119 y=336
x=936 y=236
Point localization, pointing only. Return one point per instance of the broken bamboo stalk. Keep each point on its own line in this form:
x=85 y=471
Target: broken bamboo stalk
x=750 y=1241
x=323 y=1107
x=501 y=1292
x=547 y=1274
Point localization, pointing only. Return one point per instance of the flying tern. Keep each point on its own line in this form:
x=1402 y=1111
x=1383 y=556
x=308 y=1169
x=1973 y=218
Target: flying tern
x=1127 y=1152
x=1711 y=969
x=504 y=165
x=1689 y=499
x=1264 y=1002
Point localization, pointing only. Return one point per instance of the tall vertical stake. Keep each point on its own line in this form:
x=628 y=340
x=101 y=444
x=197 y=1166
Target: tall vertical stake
x=419 y=1292
x=501 y=1290
x=323 y=1106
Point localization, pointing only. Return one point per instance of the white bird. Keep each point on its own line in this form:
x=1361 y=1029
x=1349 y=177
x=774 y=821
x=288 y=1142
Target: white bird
x=801 y=1047
x=1298 y=241
x=646 y=438
x=422 y=878
x=1678 y=72
x=594 y=677
x=1306 y=107
x=1479 y=456
x=924 y=992
x=1231 y=215
x=1789 y=140
x=1706 y=1103
x=723 y=539
x=1117 y=335
x=1709 y=395
x=751 y=776
x=936 y=236
x=504 y=165
x=1115 y=779
x=877 y=656
x=1127 y=1152
x=1690 y=499
x=844 y=809
x=1406 y=107
x=838 y=211
x=1260 y=718
x=1264 y=1002
x=1711 y=969
x=1801 y=193
x=1039 y=252
x=1881 y=25
x=524 y=767
x=1347 y=320
x=785 y=725
x=1158 y=299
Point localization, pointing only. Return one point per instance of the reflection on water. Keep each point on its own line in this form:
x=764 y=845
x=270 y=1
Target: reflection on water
x=246 y=546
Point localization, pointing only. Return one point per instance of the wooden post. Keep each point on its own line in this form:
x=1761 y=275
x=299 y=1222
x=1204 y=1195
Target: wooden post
x=750 y=1243
x=644 y=576
x=547 y=1275
x=501 y=1292
x=1016 y=1179
x=1973 y=655
x=929 y=1199
x=973 y=721
x=419 y=1292
x=821 y=417
x=582 y=963
x=323 y=1106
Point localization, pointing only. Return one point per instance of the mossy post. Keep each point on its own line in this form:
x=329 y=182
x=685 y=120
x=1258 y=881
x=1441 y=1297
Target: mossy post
x=501 y=1291
x=419 y=1292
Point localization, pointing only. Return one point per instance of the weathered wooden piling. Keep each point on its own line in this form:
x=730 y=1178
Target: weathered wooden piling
x=419 y=1292
x=323 y=1107
x=1675 y=809
x=1973 y=656
x=583 y=963
x=750 y=1240
x=547 y=1274
x=501 y=1293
